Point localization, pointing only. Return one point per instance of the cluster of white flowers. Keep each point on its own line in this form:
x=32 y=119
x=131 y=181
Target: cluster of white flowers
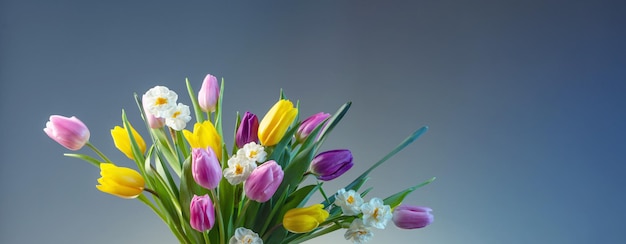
x=160 y=102
x=375 y=214
x=245 y=236
x=241 y=165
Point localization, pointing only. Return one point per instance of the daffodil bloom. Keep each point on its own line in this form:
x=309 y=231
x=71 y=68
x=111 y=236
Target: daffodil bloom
x=122 y=141
x=349 y=201
x=245 y=236
x=358 y=232
x=253 y=152
x=239 y=168
x=120 y=181
x=177 y=120
x=375 y=213
x=153 y=121
x=302 y=220
x=160 y=101
x=69 y=132
x=205 y=135
x=275 y=123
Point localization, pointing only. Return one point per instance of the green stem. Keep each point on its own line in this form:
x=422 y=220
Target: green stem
x=205 y=234
x=269 y=232
x=180 y=236
x=98 y=152
x=242 y=213
x=220 y=220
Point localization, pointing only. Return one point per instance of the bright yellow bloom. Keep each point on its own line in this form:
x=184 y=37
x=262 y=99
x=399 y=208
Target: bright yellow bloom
x=205 y=135
x=122 y=141
x=120 y=181
x=302 y=220
x=276 y=121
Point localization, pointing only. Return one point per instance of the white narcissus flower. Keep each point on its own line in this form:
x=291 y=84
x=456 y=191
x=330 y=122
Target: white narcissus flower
x=358 y=232
x=179 y=117
x=239 y=168
x=245 y=236
x=376 y=214
x=253 y=152
x=160 y=101
x=349 y=201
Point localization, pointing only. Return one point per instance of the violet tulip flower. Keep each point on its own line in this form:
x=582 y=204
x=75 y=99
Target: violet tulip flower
x=412 y=217
x=201 y=213
x=209 y=94
x=248 y=130
x=69 y=132
x=263 y=181
x=309 y=124
x=331 y=164
x=205 y=167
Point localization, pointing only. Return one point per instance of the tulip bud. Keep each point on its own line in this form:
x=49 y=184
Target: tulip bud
x=248 y=130
x=309 y=125
x=122 y=141
x=302 y=220
x=263 y=181
x=331 y=164
x=153 y=121
x=201 y=213
x=208 y=94
x=205 y=135
x=275 y=123
x=412 y=217
x=205 y=167
x=69 y=132
x=120 y=181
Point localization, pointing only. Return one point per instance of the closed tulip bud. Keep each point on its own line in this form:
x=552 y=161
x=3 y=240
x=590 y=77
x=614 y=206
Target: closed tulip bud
x=209 y=94
x=205 y=167
x=153 y=121
x=205 y=135
x=69 y=132
x=201 y=213
x=309 y=125
x=120 y=181
x=331 y=164
x=302 y=220
x=263 y=181
x=412 y=217
x=122 y=141
x=275 y=123
x=248 y=130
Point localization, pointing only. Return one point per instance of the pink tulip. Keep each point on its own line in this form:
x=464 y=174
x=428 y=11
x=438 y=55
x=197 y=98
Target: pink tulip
x=205 y=167
x=69 y=132
x=263 y=181
x=209 y=94
x=202 y=213
x=412 y=217
x=309 y=124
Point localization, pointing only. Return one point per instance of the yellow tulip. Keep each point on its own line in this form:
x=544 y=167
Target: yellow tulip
x=120 y=181
x=205 y=135
x=122 y=141
x=302 y=220
x=276 y=121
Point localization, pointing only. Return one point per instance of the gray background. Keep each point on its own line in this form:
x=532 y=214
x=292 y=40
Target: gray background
x=524 y=100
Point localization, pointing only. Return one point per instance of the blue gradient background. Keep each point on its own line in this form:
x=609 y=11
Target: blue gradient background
x=524 y=99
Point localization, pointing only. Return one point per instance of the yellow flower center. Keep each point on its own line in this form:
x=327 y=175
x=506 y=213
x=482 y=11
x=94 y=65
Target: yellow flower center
x=375 y=213
x=238 y=169
x=175 y=114
x=160 y=101
x=350 y=200
x=252 y=154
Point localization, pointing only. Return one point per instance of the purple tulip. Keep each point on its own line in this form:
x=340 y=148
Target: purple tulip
x=309 y=124
x=153 y=121
x=205 y=167
x=69 y=132
x=331 y=164
x=248 y=130
x=208 y=94
x=263 y=181
x=412 y=217
x=201 y=213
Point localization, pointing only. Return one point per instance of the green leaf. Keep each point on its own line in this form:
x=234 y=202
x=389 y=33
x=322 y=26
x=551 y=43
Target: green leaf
x=333 y=121
x=87 y=158
x=194 y=101
x=395 y=199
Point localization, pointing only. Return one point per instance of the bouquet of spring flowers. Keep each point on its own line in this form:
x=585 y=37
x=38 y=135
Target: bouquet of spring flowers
x=254 y=193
